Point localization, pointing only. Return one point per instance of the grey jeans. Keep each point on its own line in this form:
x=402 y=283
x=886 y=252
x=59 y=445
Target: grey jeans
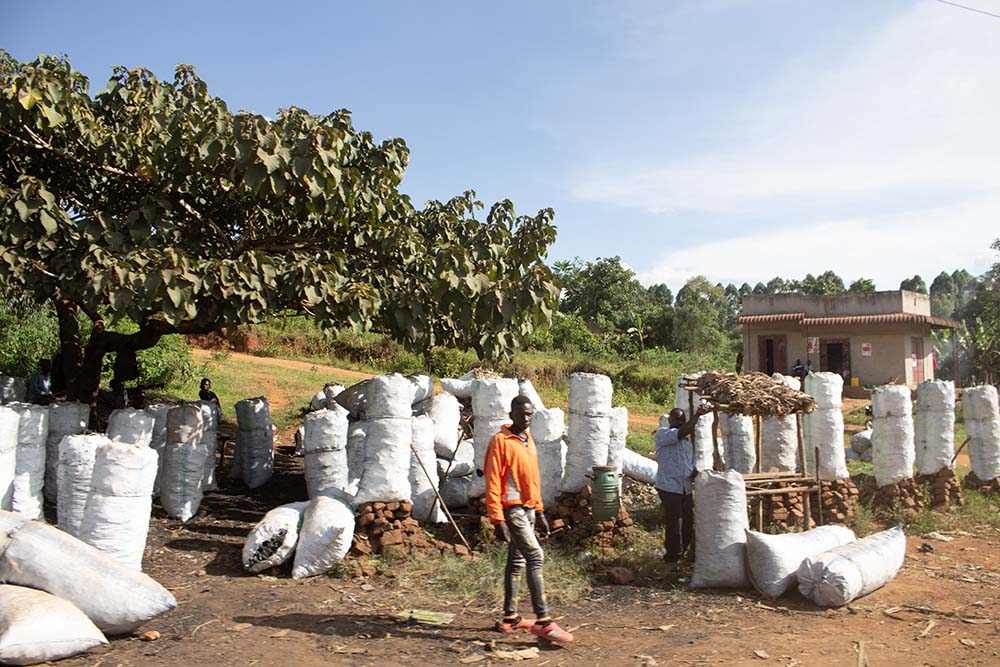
x=523 y=552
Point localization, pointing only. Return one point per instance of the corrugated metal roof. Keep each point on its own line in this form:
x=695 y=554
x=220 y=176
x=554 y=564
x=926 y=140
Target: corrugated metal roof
x=850 y=320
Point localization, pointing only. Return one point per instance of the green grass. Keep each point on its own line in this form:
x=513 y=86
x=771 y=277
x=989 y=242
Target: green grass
x=640 y=442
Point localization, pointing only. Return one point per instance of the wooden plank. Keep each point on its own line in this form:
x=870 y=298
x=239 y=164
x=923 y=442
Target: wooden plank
x=782 y=491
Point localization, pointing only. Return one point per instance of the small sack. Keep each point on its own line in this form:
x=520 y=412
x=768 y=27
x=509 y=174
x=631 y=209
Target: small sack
x=773 y=560
x=325 y=538
x=38 y=627
x=272 y=541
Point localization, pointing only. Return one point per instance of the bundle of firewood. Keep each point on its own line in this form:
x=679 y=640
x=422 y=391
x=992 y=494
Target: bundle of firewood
x=973 y=482
x=839 y=500
x=906 y=494
x=750 y=394
x=390 y=530
x=945 y=488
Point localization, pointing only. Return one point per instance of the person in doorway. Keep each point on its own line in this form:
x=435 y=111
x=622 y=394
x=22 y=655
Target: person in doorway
x=739 y=362
x=798 y=370
x=40 y=384
x=514 y=505
x=674 y=472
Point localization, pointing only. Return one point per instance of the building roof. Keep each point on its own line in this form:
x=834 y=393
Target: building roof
x=851 y=320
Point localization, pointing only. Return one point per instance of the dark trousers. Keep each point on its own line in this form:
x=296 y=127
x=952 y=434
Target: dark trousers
x=524 y=556
x=678 y=522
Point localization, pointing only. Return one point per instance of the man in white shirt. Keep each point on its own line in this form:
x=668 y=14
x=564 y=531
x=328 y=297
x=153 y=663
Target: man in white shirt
x=674 y=472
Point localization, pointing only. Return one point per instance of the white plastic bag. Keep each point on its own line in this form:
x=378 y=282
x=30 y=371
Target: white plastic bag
x=773 y=560
x=423 y=387
x=982 y=426
x=835 y=577
x=484 y=428
x=116 y=518
x=464 y=462
x=117 y=599
x=527 y=389
x=934 y=426
x=357 y=431
x=385 y=474
x=209 y=439
x=424 y=480
x=639 y=467
x=29 y=473
x=701 y=439
x=38 y=627
x=272 y=541
x=76 y=469
x=325 y=447
x=618 y=436
x=586 y=446
x=158 y=442
x=779 y=442
x=325 y=538
x=547 y=429
x=455 y=491
x=720 y=525
x=590 y=394
x=457 y=387
x=446 y=412
x=491 y=397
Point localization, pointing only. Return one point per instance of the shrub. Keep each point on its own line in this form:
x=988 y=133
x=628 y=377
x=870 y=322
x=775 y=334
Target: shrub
x=27 y=333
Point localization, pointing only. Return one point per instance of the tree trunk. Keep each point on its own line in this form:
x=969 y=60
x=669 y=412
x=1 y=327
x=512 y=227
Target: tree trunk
x=70 y=345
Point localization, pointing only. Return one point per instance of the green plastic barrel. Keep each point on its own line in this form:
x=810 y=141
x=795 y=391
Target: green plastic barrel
x=605 y=498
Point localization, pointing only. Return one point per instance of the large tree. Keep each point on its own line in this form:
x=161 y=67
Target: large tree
x=152 y=201
x=602 y=292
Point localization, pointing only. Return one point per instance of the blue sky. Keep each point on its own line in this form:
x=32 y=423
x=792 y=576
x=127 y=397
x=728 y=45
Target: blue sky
x=735 y=139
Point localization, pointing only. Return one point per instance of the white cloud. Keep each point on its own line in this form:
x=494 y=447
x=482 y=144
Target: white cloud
x=885 y=249
x=910 y=105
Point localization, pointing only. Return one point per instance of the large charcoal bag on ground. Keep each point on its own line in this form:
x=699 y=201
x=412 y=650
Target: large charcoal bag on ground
x=254 y=458
x=29 y=472
x=325 y=451
x=325 y=538
x=64 y=419
x=273 y=540
x=385 y=474
x=9 y=420
x=835 y=577
x=77 y=454
x=182 y=478
x=38 y=627
x=116 y=598
x=720 y=525
x=423 y=474
x=638 y=467
x=132 y=426
x=773 y=560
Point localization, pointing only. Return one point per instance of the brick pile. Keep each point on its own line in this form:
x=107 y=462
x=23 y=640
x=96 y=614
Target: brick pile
x=973 y=482
x=906 y=494
x=390 y=530
x=945 y=488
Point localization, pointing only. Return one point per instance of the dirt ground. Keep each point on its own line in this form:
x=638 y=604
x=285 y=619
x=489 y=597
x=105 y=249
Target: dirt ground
x=946 y=607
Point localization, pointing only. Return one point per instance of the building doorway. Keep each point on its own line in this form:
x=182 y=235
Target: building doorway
x=835 y=357
x=917 y=358
x=772 y=354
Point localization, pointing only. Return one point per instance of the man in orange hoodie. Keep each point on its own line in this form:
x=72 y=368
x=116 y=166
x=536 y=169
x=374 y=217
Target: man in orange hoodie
x=514 y=504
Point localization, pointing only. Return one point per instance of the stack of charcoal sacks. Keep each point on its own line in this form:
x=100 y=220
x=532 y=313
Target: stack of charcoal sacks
x=824 y=436
x=491 y=398
x=587 y=445
x=64 y=419
x=325 y=452
x=159 y=440
x=29 y=472
x=935 y=442
x=701 y=439
x=454 y=457
x=253 y=461
x=779 y=440
x=738 y=450
x=182 y=462
x=893 y=450
x=982 y=426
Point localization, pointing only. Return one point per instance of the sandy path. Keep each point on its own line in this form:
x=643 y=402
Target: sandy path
x=206 y=355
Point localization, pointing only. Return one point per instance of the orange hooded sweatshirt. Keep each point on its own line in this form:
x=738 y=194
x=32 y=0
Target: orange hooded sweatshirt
x=511 y=471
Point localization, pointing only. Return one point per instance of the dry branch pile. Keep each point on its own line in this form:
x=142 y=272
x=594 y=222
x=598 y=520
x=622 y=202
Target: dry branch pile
x=754 y=394
x=973 y=482
x=945 y=488
x=390 y=530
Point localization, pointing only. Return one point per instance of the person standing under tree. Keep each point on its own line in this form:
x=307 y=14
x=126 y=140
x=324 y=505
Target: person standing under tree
x=674 y=472
x=40 y=384
x=514 y=504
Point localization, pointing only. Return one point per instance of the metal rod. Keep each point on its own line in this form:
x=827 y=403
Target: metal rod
x=438 y=494
x=959 y=451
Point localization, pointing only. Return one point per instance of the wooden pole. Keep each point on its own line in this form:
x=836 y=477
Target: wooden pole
x=806 y=512
x=716 y=462
x=958 y=451
x=439 y=499
x=819 y=491
x=802 y=445
x=757 y=442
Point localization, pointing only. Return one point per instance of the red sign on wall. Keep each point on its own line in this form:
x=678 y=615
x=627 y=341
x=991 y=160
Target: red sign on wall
x=866 y=349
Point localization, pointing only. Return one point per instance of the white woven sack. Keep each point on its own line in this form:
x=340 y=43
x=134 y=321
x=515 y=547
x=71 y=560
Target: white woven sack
x=638 y=467
x=773 y=560
x=385 y=474
x=132 y=426
x=551 y=463
x=29 y=467
x=159 y=440
x=483 y=430
x=209 y=439
x=981 y=415
x=12 y=389
x=455 y=491
x=586 y=446
x=861 y=441
x=664 y=421
x=737 y=442
x=720 y=525
x=354 y=399
x=778 y=436
x=424 y=480
x=254 y=442
x=357 y=431
x=9 y=425
x=423 y=387
x=116 y=518
x=701 y=439
x=548 y=425
x=325 y=446
x=117 y=599
x=184 y=423
x=824 y=430
x=38 y=627
x=527 y=389
x=463 y=464
x=491 y=397
x=332 y=390
x=318 y=401
x=835 y=577
x=826 y=389
x=590 y=394
x=325 y=537
x=76 y=470
x=64 y=419
x=934 y=426
x=389 y=396
x=617 y=438
x=892 y=400
x=272 y=541
x=446 y=412
x=893 y=450
x=457 y=388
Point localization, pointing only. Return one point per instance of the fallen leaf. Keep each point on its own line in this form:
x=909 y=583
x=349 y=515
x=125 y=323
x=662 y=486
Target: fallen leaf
x=469 y=659
x=763 y=655
x=425 y=617
x=976 y=621
x=153 y=635
x=281 y=633
x=368 y=588
x=520 y=654
x=967 y=642
x=239 y=627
